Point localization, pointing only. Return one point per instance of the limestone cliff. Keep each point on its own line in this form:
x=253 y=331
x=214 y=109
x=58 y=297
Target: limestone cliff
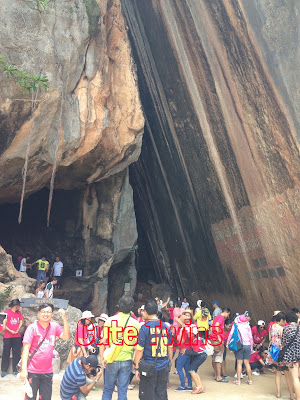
x=89 y=125
x=217 y=185
x=83 y=49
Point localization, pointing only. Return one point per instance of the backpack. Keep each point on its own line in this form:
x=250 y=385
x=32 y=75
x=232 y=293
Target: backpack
x=235 y=343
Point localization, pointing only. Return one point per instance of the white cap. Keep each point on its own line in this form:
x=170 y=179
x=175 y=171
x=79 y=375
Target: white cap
x=103 y=317
x=142 y=307
x=261 y=322
x=87 y=314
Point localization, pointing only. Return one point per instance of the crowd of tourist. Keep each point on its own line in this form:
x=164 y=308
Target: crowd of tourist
x=125 y=345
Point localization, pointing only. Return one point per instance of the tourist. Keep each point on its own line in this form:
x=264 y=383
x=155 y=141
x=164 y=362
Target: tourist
x=49 y=288
x=177 y=313
x=259 y=334
x=49 y=273
x=41 y=335
x=160 y=303
x=58 y=268
x=40 y=290
x=217 y=328
x=118 y=361
x=203 y=317
x=273 y=319
x=171 y=312
x=74 y=384
x=141 y=313
x=217 y=310
x=227 y=329
x=198 y=306
x=185 y=303
x=43 y=265
x=291 y=343
x=198 y=355
x=153 y=348
x=248 y=315
x=275 y=338
x=243 y=355
x=97 y=333
x=12 y=337
x=80 y=346
x=183 y=361
x=24 y=263
x=257 y=360
x=297 y=312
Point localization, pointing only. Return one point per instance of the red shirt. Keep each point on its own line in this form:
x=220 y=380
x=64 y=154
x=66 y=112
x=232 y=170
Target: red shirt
x=197 y=345
x=220 y=329
x=258 y=336
x=225 y=336
x=255 y=357
x=183 y=339
x=171 y=315
x=12 y=322
x=41 y=362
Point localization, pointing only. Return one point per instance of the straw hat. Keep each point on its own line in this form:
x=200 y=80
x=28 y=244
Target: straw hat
x=188 y=310
x=275 y=313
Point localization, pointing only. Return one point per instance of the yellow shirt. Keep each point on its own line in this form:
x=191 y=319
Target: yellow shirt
x=42 y=264
x=129 y=335
x=202 y=323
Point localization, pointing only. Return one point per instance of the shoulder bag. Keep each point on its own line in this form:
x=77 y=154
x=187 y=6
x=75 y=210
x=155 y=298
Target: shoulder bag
x=146 y=369
x=19 y=365
x=282 y=352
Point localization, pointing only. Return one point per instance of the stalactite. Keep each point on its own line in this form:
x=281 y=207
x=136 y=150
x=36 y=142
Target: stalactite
x=34 y=96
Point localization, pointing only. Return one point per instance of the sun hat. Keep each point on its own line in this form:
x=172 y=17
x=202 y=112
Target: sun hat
x=275 y=313
x=171 y=303
x=87 y=314
x=91 y=360
x=102 y=317
x=189 y=311
x=216 y=303
x=241 y=319
x=261 y=322
x=199 y=303
x=142 y=307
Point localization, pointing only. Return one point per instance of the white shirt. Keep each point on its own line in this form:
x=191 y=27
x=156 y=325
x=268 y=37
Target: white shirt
x=57 y=267
x=184 y=305
x=23 y=265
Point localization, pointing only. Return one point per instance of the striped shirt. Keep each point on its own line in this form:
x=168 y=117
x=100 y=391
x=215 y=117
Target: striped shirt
x=73 y=379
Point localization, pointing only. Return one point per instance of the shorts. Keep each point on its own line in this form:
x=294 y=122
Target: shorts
x=244 y=353
x=218 y=357
x=196 y=361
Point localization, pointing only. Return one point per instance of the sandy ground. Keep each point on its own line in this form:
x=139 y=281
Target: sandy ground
x=263 y=387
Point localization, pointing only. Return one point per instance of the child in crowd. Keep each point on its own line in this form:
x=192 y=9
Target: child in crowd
x=227 y=329
x=171 y=312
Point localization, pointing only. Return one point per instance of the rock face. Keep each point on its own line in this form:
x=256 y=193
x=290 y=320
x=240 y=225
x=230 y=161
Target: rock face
x=83 y=49
x=89 y=124
x=23 y=287
x=217 y=185
x=92 y=229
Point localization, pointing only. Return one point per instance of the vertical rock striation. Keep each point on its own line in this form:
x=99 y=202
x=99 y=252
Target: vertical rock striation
x=218 y=181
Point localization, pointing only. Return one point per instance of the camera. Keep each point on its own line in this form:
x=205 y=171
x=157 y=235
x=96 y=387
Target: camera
x=2 y=317
x=95 y=371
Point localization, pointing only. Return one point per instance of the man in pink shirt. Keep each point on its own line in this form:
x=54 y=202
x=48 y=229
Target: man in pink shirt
x=39 y=369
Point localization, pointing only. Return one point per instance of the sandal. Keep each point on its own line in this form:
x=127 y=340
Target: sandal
x=249 y=382
x=236 y=382
x=222 y=380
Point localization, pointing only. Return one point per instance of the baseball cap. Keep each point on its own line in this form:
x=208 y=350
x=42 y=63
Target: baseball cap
x=261 y=322
x=87 y=314
x=215 y=302
x=92 y=361
x=103 y=317
x=275 y=313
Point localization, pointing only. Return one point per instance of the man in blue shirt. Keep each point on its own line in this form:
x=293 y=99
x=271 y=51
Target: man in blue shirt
x=73 y=385
x=155 y=347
